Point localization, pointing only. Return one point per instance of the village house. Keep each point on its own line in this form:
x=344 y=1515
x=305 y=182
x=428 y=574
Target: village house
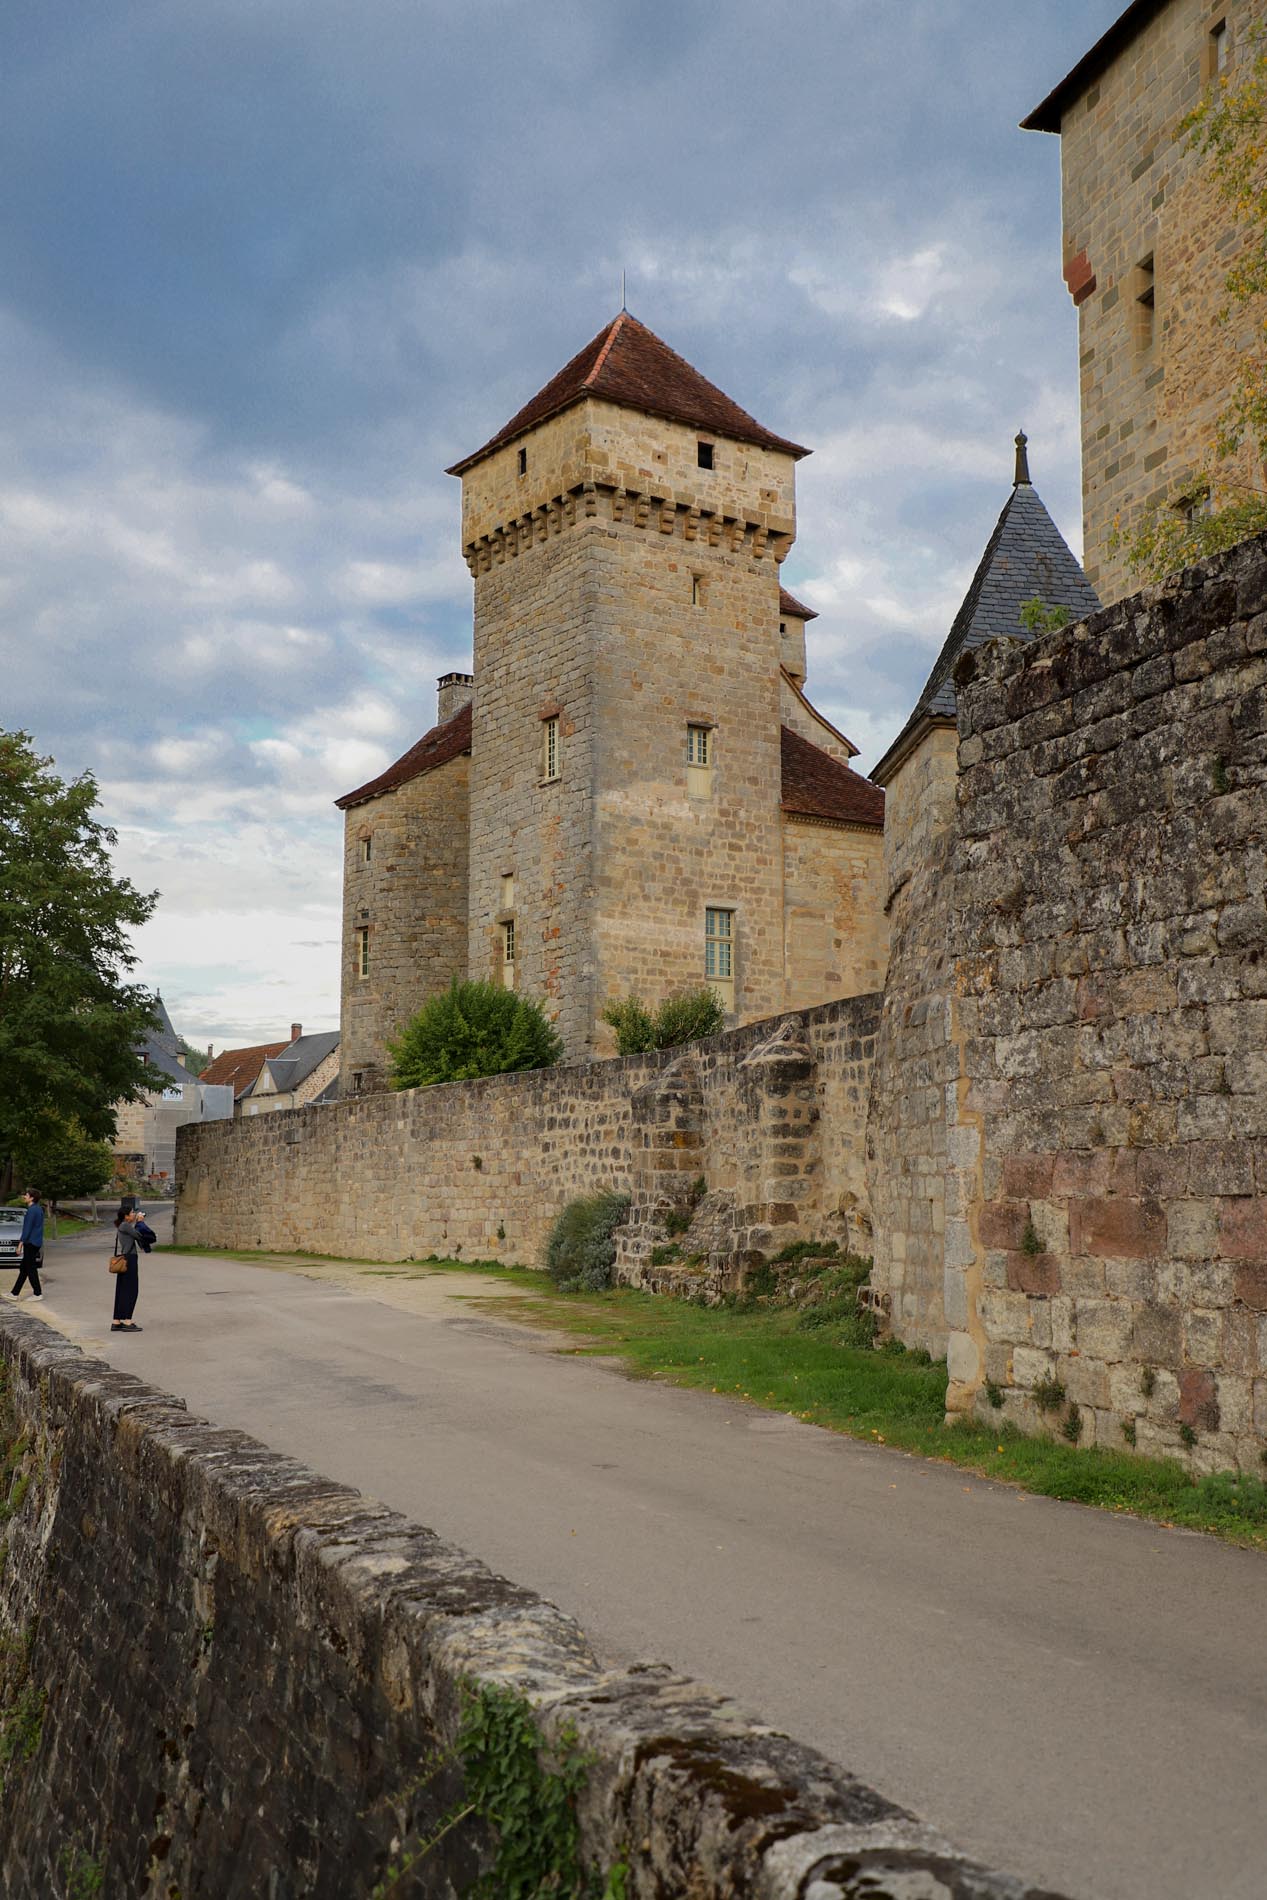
x=273 y=1075
x=145 y=1131
x=631 y=792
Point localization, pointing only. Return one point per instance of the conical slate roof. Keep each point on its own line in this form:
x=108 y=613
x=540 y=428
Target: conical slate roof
x=628 y=364
x=1026 y=558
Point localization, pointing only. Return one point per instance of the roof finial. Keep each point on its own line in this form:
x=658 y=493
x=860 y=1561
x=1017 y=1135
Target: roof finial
x=1022 y=460
x=623 y=304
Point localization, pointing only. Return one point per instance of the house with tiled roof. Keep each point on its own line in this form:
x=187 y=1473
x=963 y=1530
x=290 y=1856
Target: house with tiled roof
x=145 y=1130
x=272 y=1075
x=631 y=791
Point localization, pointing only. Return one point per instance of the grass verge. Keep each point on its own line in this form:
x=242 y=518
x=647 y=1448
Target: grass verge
x=766 y=1356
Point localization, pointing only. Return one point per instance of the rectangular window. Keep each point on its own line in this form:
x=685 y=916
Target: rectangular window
x=697 y=590
x=523 y=461
x=706 y=455
x=549 y=748
x=365 y=850
x=508 y=953
x=1216 y=51
x=698 y=748
x=362 y=953
x=719 y=946
x=508 y=890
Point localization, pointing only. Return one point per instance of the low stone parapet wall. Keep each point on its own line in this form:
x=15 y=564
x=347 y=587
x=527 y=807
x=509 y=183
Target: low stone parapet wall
x=222 y=1674
x=481 y=1169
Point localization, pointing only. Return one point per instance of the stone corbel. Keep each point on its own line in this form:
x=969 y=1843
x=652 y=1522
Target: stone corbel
x=642 y=510
x=716 y=525
x=619 y=498
x=668 y=515
x=691 y=524
x=589 y=494
x=759 y=539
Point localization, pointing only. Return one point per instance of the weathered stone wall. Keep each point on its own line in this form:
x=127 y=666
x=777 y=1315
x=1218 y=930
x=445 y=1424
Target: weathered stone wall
x=482 y=1168
x=835 y=932
x=412 y=897
x=1110 y=924
x=224 y=1675
x=915 y=1066
x=1152 y=387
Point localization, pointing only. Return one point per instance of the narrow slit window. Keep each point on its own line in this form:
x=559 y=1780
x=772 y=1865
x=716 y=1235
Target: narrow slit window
x=365 y=850
x=523 y=461
x=1145 y=302
x=508 y=890
x=705 y=455
x=697 y=590
x=699 y=749
x=1217 y=48
x=549 y=748
x=508 y=940
x=719 y=945
x=362 y=952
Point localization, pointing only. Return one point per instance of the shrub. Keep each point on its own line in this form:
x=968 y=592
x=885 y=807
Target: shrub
x=473 y=1029
x=581 y=1250
x=683 y=1018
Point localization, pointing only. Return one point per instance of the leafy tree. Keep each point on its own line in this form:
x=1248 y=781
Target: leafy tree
x=63 y=1162
x=473 y=1029
x=685 y=1017
x=70 y=1021
x=197 y=1059
x=1216 y=507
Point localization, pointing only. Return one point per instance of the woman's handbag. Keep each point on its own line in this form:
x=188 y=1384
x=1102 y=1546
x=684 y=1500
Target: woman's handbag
x=118 y=1263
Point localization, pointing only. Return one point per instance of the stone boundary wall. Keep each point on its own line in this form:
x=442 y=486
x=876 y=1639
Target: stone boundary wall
x=1110 y=929
x=225 y=1675
x=481 y=1169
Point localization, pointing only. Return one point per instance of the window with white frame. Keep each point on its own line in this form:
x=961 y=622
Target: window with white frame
x=365 y=849
x=699 y=746
x=362 y=952
x=550 y=748
x=719 y=948
x=508 y=953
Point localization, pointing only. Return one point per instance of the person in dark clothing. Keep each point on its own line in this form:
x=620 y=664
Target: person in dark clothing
x=32 y=1244
x=127 y=1285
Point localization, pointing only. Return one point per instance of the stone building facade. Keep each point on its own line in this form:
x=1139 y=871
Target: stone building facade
x=1147 y=245
x=637 y=795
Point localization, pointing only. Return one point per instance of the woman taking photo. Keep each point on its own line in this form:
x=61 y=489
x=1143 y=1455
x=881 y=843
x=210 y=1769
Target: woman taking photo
x=127 y=1282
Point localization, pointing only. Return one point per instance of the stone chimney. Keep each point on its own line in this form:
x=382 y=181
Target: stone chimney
x=210 y=1055
x=296 y=1031
x=453 y=691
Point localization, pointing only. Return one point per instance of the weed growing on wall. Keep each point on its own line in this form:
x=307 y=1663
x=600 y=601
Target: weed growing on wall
x=581 y=1250
x=1049 y=1393
x=82 y=1872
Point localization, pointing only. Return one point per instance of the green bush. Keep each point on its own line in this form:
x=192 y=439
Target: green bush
x=473 y=1029
x=581 y=1250
x=683 y=1018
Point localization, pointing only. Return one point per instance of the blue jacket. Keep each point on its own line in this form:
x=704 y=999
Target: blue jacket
x=33 y=1225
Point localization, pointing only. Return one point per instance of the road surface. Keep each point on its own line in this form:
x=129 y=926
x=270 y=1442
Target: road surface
x=1072 y=1696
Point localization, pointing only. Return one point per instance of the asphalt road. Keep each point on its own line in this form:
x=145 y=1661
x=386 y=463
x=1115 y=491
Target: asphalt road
x=1074 y=1697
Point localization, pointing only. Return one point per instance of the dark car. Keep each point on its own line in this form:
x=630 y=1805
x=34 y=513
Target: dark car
x=11 y=1232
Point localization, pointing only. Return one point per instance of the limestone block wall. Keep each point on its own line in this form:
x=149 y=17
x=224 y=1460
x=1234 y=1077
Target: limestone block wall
x=481 y=1169
x=1110 y=924
x=1153 y=383
x=836 y=936
x=224 y=1674
x=915 y=1068
x=411 y=895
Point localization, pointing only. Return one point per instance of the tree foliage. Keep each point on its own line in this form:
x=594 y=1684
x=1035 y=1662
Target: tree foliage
x=685 y=1017
x=1214 y=508
x=1038 y=617
x=473 y=1029
x=63 y=1162
x=70 y=1020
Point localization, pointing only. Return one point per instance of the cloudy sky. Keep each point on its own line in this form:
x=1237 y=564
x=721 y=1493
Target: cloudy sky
x=266 y=266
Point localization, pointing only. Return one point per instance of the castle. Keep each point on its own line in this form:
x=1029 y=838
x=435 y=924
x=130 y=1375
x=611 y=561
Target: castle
x=631 y=792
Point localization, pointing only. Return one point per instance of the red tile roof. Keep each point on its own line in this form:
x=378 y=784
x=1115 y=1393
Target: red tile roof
x=241 y=1067
x=627 y=363
x=817 y=786
x=436 y=747
x=789 y=604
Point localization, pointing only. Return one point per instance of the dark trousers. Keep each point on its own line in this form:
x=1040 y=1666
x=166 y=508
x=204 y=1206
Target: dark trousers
x=29 y=1270
x=127 y=1285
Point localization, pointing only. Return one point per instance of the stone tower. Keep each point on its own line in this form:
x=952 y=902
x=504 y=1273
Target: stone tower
x=624 y=531
x=921 y=1152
